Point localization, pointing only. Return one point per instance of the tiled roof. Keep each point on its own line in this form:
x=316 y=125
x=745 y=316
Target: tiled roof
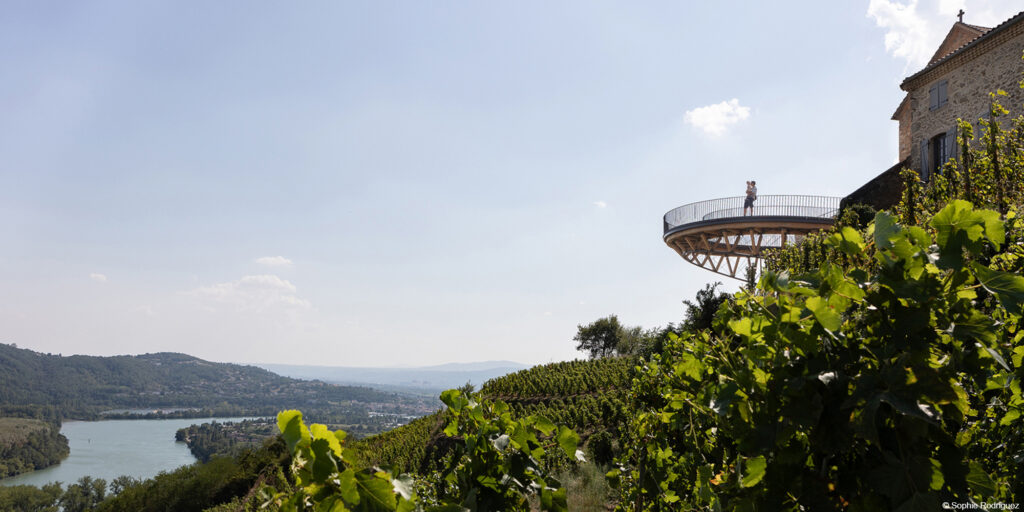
x=986 y=33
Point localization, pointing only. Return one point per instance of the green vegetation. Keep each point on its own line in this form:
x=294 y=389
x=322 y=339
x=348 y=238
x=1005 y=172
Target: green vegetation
x=202 y=486
x=51 y=388
x=82 y=387
x=871 y=369
x=496 y=463
x=227 y=439
x=28 y=498
x=29 y=444
x=415 y=447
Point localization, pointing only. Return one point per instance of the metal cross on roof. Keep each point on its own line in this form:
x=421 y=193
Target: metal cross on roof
x=960 y=15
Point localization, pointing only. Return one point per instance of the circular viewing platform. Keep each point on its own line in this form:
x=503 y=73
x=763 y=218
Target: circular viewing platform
x=717 y=236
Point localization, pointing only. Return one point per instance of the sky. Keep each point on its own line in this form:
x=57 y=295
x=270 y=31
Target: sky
x=412 y=183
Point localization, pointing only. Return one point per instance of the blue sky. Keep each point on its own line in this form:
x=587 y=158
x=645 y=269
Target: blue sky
x=403 y=184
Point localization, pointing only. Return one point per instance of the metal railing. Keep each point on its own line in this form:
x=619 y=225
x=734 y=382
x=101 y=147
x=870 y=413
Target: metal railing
x=814 y=207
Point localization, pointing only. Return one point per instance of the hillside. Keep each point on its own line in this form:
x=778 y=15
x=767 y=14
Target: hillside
x=29 y=444
x=422 y=380
x=588 y=396
x=83 y=386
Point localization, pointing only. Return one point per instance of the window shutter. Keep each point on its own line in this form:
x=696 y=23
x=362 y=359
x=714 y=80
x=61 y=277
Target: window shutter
x=942 y=92
x=951 y=144
x=933 y=97
x=924 y=160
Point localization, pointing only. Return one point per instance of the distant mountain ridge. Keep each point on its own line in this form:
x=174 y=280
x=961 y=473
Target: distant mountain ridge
x=81 y=386
x=424 y=378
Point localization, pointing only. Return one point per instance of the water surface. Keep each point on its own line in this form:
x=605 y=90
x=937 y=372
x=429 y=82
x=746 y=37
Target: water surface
x=111 y=448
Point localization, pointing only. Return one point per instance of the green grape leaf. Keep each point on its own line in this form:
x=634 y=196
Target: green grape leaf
x=824 y=314
x=849 y=241
x=452 y=428
x=937 y=480
x=347 y=486
x=292 y=428
x=741 y=326
x=1007 y=287
x=884 y=229
x=375 y=494
x=614 y=478
x=453 y=399
x=1018 y=356
x=979 y=480
x=999 y=359
x=324 y=464
x=690 y=367
x=543 y=425
x=319 y=431
x=959 y=226
x=920 y=502
x=568 y=440
x=977 y=326
x=754 y=471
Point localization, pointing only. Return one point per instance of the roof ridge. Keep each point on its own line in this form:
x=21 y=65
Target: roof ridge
x=986 y=33
x=978 y=27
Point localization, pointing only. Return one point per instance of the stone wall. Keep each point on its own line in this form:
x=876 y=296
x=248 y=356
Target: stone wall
x=972 y=76
x=903 y=116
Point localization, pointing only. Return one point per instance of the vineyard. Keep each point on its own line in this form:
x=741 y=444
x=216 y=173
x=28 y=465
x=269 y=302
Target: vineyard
x=410 y=447
x=877 y=366
x=587 y=396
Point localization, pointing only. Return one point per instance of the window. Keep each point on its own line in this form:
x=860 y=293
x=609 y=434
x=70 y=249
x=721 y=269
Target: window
x=938 y=147
x=936 y=151
x=938 y=95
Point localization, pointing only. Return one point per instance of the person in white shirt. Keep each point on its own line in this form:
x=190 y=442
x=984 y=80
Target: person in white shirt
x=751 y=197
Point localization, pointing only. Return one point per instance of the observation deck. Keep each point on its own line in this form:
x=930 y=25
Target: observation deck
x=715 y=232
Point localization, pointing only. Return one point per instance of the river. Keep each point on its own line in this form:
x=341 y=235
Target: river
x=111 y=448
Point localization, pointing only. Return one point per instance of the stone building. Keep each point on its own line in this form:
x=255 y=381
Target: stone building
x=970 y=63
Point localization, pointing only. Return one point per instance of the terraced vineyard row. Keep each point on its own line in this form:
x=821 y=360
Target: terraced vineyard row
x=569 y=378
x=586 y=396
x=407 y=448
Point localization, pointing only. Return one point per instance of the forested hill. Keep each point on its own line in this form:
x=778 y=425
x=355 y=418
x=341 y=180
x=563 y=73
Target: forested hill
x=81 y=386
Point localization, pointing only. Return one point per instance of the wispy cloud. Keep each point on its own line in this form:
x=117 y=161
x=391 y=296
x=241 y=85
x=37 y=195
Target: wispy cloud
x=716 y=119
x=253 y=293
x=908 y=35
x=274 y=261
x=600 y=204
x=99 y=278
x=915 y=28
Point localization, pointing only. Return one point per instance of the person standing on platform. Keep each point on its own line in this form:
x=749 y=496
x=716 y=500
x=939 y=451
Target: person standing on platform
x=751 y=197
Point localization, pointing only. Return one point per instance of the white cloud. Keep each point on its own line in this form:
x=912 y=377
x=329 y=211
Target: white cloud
x=274 y=261
x=715 y=119
x=146 y=310
x=915 y=28
x=99 y=278
x=600 y=204
x=908 y=35
x=253 y=293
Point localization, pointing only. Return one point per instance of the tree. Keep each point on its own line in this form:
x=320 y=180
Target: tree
x=700 y=314
x=600 y=338
x=84 y=495
x=28 y=498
